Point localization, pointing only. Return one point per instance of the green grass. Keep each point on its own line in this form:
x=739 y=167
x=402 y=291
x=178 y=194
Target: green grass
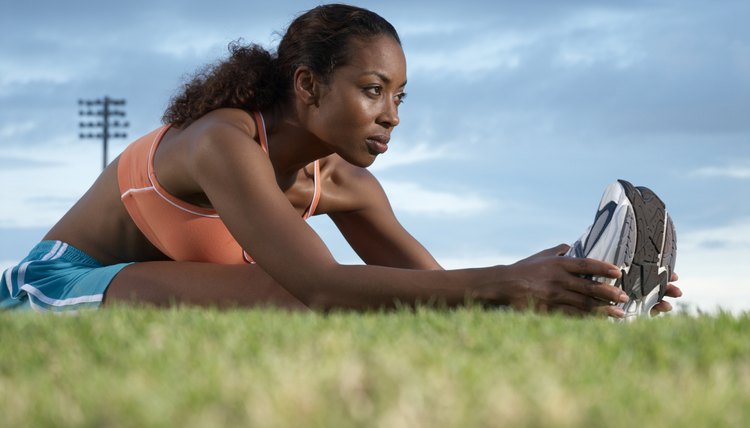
x=428 y=368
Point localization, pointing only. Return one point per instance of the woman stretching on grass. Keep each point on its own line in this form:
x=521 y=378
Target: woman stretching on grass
x=252 y=147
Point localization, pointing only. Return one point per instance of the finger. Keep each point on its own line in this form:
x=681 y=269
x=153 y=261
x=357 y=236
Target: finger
x=562 y=249
x=610 y=311
x=673 y=291
x=674 y=277
x=661 y=307
x=554 y=251
x=597 y=290
x=584 y=303
x=582 y=266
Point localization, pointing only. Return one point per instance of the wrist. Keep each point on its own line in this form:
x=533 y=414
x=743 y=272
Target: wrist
x=493 y=286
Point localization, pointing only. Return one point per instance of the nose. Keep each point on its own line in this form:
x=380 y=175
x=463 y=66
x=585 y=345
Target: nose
x=389 y=116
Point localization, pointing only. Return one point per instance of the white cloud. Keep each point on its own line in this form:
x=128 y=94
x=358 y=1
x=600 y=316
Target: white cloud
x=483 y=54
x=53 y=69
x=598 y=36
x=603 y=20
x=734 y=237
x=19 y=74
x=608 y=50
x=38 y=197
x=476 y=260
x=14 y=130
x=413 y=198
x=191 y=43
x=410 y=29
x=712 y=267
x=737 y=170
x=207 y=42
x=585 y=38
x=401 y=155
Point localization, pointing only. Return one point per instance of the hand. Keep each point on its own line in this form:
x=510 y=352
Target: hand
x=548 y=282
x=672 y=291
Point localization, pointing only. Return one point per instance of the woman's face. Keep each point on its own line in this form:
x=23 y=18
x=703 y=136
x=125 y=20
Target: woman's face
x=358 y=108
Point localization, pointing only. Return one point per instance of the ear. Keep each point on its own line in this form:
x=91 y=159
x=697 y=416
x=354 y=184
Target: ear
x=306 y=86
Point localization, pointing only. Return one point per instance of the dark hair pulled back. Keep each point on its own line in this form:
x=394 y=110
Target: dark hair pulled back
x=252 y=78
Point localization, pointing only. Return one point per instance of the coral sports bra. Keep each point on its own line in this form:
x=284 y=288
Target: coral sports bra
x=182 y=231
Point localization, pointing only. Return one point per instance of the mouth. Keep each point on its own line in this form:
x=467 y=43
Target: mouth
x=377 y=144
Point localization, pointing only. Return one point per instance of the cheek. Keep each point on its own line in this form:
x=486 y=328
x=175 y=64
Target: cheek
x=348 y=115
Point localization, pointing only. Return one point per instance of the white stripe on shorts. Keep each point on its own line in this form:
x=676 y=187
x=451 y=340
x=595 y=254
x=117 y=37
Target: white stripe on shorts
x=8 y=277
x=57 y=250
x=52 y=251
x=61 y=302
x=55 y=253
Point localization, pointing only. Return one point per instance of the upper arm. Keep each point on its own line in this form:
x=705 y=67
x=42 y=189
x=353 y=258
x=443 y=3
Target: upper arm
x=239 y=180
x=370 y=226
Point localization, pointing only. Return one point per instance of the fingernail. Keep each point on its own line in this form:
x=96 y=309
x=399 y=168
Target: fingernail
x=615 y=273
x=619 y=313
x=624 y=298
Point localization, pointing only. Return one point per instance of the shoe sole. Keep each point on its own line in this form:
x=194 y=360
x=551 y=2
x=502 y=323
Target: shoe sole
x=645 y=279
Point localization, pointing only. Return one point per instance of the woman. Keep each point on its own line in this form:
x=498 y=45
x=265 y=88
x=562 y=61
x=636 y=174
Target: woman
x=250 y=148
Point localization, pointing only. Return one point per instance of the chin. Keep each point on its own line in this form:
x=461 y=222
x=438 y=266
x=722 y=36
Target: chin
x=369 y=160
x=363 y=161
x=364 y=164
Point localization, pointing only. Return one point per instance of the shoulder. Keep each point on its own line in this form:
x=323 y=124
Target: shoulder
x=348 y=187
x=342 y=172
x=224 y=122
x=220 y=133
x=220 y=142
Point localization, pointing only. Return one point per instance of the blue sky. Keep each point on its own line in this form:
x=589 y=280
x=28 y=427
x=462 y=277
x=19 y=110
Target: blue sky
x=518 y=116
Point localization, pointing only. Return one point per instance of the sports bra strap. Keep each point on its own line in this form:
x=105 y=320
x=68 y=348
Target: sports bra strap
x=316 y=193
x=262 y=131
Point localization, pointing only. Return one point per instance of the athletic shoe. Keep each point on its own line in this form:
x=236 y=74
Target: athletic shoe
x=633 y=231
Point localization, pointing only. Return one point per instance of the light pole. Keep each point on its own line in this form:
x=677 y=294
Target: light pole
x=104 y=109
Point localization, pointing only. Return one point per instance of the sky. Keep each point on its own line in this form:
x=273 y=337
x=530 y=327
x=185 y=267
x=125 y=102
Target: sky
x=519 y=114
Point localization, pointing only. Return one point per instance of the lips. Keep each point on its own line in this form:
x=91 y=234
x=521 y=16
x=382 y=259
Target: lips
x=377 y=144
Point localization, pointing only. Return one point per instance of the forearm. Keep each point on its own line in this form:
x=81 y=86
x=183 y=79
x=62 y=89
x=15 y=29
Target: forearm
x=370 y=287
x=544 y=282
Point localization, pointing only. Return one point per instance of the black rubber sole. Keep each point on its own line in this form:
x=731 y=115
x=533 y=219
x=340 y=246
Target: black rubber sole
x=654 y=246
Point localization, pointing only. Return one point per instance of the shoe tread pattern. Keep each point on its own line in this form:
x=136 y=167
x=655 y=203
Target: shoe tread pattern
x=668 y=245
x=650 y=214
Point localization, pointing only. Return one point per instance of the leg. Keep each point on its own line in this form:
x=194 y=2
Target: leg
x=202 y=284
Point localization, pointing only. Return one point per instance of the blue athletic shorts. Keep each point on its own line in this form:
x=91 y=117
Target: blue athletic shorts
x=56 y=277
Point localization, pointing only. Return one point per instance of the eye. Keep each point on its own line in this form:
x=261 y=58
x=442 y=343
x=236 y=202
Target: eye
x=374 y=90
x=400 y=98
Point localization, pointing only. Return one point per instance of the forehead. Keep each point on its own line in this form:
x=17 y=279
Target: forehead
x=382 y=54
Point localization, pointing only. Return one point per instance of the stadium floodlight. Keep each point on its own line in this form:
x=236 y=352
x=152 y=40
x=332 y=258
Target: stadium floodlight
x=107 y=109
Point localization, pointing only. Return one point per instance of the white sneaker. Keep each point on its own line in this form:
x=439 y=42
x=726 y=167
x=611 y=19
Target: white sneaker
x=632 y=230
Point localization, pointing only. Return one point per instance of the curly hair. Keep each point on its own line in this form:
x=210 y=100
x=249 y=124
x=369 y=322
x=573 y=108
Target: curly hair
x=252 y=78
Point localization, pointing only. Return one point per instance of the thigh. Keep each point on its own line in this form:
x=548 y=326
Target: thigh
x=165 y=283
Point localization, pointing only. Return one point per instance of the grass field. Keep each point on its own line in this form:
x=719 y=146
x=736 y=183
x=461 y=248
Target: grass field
x=425 y=368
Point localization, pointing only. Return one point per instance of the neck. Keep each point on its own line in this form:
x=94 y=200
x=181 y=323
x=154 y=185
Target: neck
x=290 y=146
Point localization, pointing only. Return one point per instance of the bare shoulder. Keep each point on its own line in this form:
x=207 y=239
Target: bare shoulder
x=226 y=124
x=344 y=173
x=347 y=187
x=222 y=134
x=186 y=155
